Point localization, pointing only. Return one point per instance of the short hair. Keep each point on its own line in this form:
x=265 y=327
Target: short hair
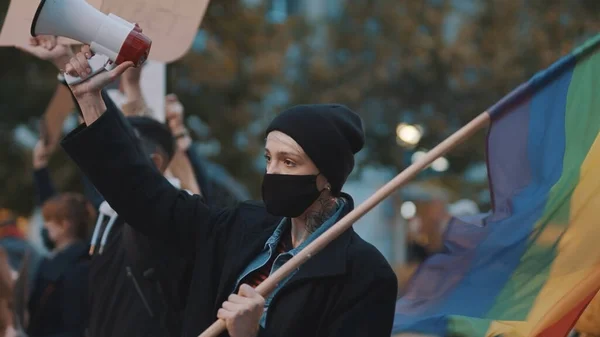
x=74 y=208
x=149 y=146
x=154 y=136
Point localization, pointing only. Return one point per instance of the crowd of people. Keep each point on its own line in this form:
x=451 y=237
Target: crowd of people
x=101 y=277
x=155 y=246
x=145 y=249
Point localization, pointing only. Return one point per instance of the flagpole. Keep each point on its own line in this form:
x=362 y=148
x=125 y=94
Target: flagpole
x=269 y=284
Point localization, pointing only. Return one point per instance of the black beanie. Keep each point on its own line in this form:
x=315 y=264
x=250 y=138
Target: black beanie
x=155 y=131
x=330 y=134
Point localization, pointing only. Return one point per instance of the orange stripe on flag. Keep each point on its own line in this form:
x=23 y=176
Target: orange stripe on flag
x=563 y=326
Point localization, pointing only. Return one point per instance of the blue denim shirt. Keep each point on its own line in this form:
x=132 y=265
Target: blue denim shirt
x=271 y=247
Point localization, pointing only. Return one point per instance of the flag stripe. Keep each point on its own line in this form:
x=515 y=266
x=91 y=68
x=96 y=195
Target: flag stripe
x=579 y=254
x=546 y=148
x=565 y=324
x=534 y=260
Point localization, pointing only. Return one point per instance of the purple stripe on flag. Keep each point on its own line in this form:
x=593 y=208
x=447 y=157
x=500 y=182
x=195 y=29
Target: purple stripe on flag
x=508 y=163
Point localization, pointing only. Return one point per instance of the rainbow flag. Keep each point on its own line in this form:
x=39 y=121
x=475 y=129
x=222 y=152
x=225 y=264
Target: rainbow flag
x=531 y=266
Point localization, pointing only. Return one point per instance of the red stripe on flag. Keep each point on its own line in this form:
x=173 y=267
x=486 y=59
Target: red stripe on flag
x=562 y=327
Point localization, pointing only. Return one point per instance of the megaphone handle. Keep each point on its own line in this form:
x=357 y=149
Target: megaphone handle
x=97 y=63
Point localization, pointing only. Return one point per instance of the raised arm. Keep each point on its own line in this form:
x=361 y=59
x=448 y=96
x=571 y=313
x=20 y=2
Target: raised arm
x=108 y=153
x=41 y=176
x=183 y=166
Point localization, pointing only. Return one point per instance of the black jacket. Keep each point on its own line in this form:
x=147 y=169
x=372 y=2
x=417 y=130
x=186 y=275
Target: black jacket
x=58 y=303
x=348 y=289
x=134 y=287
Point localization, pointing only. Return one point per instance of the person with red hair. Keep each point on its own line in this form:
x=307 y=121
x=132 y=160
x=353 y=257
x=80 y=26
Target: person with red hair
x=58 y=303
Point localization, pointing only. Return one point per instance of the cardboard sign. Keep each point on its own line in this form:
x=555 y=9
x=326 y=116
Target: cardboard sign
x=17 y=23
x=171 y=24
x=153 y=81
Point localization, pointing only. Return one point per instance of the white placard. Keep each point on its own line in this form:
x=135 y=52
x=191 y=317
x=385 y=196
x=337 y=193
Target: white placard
x=153 y=81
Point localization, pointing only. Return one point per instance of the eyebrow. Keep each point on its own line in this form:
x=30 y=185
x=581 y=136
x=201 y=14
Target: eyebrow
x=285 y=153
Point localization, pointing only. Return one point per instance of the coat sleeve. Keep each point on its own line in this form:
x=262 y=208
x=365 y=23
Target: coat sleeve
x=109 y=154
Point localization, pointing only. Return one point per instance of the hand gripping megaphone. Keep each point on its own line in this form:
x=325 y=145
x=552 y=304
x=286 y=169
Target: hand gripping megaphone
x=112 y=39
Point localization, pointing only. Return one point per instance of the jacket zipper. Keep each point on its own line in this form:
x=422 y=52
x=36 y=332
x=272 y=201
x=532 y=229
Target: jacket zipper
x=139 y=290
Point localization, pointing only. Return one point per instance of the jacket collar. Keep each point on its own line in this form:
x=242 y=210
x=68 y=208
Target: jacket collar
x=330 y=261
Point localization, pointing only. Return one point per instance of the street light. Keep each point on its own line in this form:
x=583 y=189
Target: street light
x=408 y=134
x=417 y=156
x=408 y=210
x=440 y=165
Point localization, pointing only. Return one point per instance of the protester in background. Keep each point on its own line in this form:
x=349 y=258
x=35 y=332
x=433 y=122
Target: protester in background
x=12 y=239
x=151 y=284
x=348 y=289
x=58 y=303
x=218 y=188
x=185 y=158
x=209 y=180
x=138 y=285
x=21 y=256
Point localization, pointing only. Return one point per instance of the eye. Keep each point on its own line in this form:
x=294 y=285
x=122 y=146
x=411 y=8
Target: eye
x=289 y=163
x=267 y=158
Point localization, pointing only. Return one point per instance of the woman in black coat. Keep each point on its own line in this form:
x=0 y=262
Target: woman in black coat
x=348 y=289
x=58 y=302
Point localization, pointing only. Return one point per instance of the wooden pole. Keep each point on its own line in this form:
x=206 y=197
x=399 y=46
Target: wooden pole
x=269 y=284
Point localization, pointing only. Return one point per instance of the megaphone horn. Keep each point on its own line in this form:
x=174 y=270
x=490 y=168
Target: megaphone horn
x=112 y=39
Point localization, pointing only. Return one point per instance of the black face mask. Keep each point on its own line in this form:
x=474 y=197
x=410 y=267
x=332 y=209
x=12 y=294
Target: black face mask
x=289 y=195
x=48 y=243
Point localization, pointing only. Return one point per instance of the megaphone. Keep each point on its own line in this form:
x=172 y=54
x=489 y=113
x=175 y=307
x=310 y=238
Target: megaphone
x=112 y=39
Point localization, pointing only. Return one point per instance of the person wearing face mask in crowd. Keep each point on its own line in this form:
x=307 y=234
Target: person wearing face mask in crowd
x=348 y=289
x=58 y=302
x=145 y=293
x=137 y=284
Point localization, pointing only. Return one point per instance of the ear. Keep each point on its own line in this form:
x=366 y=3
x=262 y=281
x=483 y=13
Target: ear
x=158 y=161
x=322 y=183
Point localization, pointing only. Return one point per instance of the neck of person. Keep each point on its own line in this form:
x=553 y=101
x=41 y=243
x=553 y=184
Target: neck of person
x=62 y=244
x=307 y=223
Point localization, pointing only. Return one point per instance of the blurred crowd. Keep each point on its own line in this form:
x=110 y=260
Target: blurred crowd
x=43 y=289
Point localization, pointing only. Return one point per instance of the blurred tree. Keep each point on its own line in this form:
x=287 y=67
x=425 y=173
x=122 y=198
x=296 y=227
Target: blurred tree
x=225 y=81
x=26 y=86
x=436 y=63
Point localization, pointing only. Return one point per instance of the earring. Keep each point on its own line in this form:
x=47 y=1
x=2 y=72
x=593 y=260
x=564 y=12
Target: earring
x=328 y=187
